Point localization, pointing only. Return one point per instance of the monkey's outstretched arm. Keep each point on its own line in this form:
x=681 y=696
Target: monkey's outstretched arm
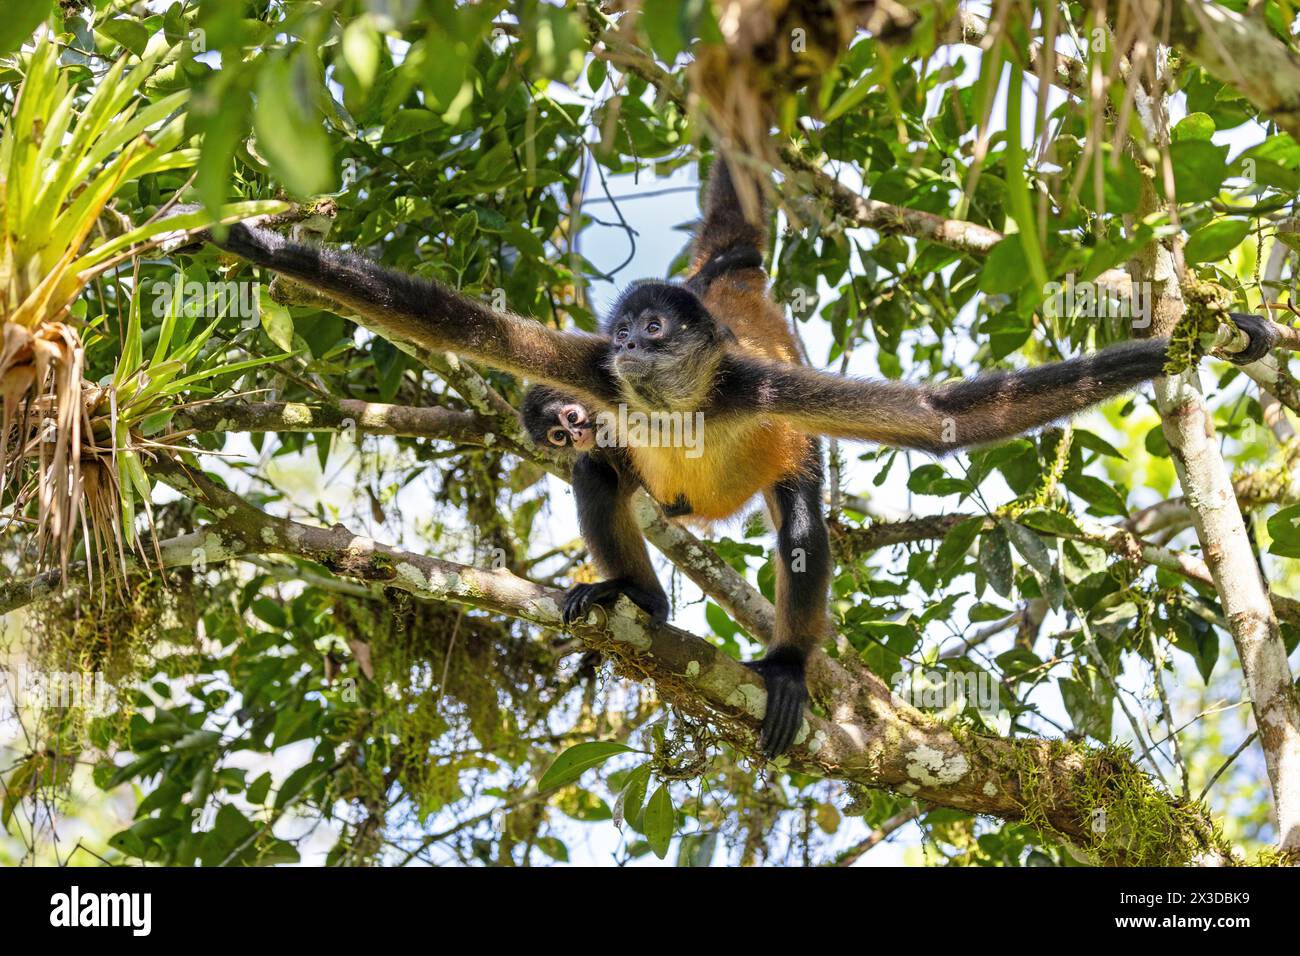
x=431 y=315
x=942 y=418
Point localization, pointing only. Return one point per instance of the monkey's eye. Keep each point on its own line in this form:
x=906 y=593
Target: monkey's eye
x=572 y=418
x=621 y=335
x=653 y=327
x=558 y=436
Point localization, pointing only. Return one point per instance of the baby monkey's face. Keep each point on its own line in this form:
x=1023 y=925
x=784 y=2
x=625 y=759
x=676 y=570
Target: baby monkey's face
x=555 y=420
x=573 y=428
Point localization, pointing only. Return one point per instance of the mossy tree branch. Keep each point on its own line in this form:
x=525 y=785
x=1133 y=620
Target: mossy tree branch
x=1096 y=800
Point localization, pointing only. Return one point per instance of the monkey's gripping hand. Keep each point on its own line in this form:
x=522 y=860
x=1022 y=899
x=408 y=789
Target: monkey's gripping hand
x=782 y=670
x=583 y=597
x=1262 y=334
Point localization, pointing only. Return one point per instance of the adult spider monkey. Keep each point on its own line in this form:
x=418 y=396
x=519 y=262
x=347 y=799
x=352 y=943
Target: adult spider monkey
x=716 y=345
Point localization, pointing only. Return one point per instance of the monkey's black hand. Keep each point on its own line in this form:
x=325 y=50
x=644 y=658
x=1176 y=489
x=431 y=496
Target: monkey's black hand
x=583 y=597
x=782 y=671
x=1263 y=337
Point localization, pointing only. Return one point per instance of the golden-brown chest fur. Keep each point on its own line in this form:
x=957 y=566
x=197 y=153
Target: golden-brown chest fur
x=740 y=459
x=737 y=457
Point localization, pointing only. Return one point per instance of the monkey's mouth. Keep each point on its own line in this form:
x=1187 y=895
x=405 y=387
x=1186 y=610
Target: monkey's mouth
x=639 y=362
x=643 y=371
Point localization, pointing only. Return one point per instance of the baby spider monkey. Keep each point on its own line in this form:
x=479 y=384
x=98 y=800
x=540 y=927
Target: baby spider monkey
x=717 y=348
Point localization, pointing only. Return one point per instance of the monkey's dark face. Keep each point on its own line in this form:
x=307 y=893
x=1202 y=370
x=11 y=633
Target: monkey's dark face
x=555 y=420
x=663 y=345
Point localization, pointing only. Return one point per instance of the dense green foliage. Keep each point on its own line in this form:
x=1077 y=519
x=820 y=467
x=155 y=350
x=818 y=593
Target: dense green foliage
x=270 y=711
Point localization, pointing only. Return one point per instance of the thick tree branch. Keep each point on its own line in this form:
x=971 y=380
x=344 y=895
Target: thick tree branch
x=371 y=418
x=877 y=742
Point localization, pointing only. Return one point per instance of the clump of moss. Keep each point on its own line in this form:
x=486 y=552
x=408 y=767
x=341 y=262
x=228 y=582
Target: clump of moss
x=100 y=633
x=1272 y=856
x=1044 y=492
x=1206 y=306
x=1122 y=817
x=440 y=674
x=89 y=648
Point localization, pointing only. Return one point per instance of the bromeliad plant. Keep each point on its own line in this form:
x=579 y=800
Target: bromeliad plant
x=70 y=446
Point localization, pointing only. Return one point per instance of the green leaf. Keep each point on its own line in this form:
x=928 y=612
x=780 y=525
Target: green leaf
x=258 y=789
x=229 y=832
x=289 y=126
x=1216 y=240
x=1089 y=707
x=1122 y=185
x=276 y=321
x=294 y=784
x=662 y=21
x=277 y=853
x=577 y=760
x=995 y=560
x=361 y=50
x=660 y=821
x=224 y=124
x=1199 y=167
x=408 y=123
x=1284 y=530
x=984 y=612
x=1194 y=126
x=1030 y=547
x=125 y=32
x=850 y=98
x=272 y=612
x=1099 y=494
x=444 y=74
x=1093 y=442
x=1018 y=661
x=697 y=849
x=931 y=479
x=1004 y=268
x=19 y=22
x=554 y=848
x=632 y=798
x=1049 y=522
x=597 y=71
x=956 y=543
x=556 y=43
x=720 y=622
x=197 y=740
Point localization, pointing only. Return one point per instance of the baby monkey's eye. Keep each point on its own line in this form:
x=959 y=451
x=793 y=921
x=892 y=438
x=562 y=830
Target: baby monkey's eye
x=621 y=334
x=572 y=418
x=653 y=327
x=558 y=436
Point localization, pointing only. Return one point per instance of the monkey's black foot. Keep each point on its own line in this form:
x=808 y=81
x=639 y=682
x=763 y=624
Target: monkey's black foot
x=680 y=508
x=782 y=671
x=1263 y=337
x=583 y=597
